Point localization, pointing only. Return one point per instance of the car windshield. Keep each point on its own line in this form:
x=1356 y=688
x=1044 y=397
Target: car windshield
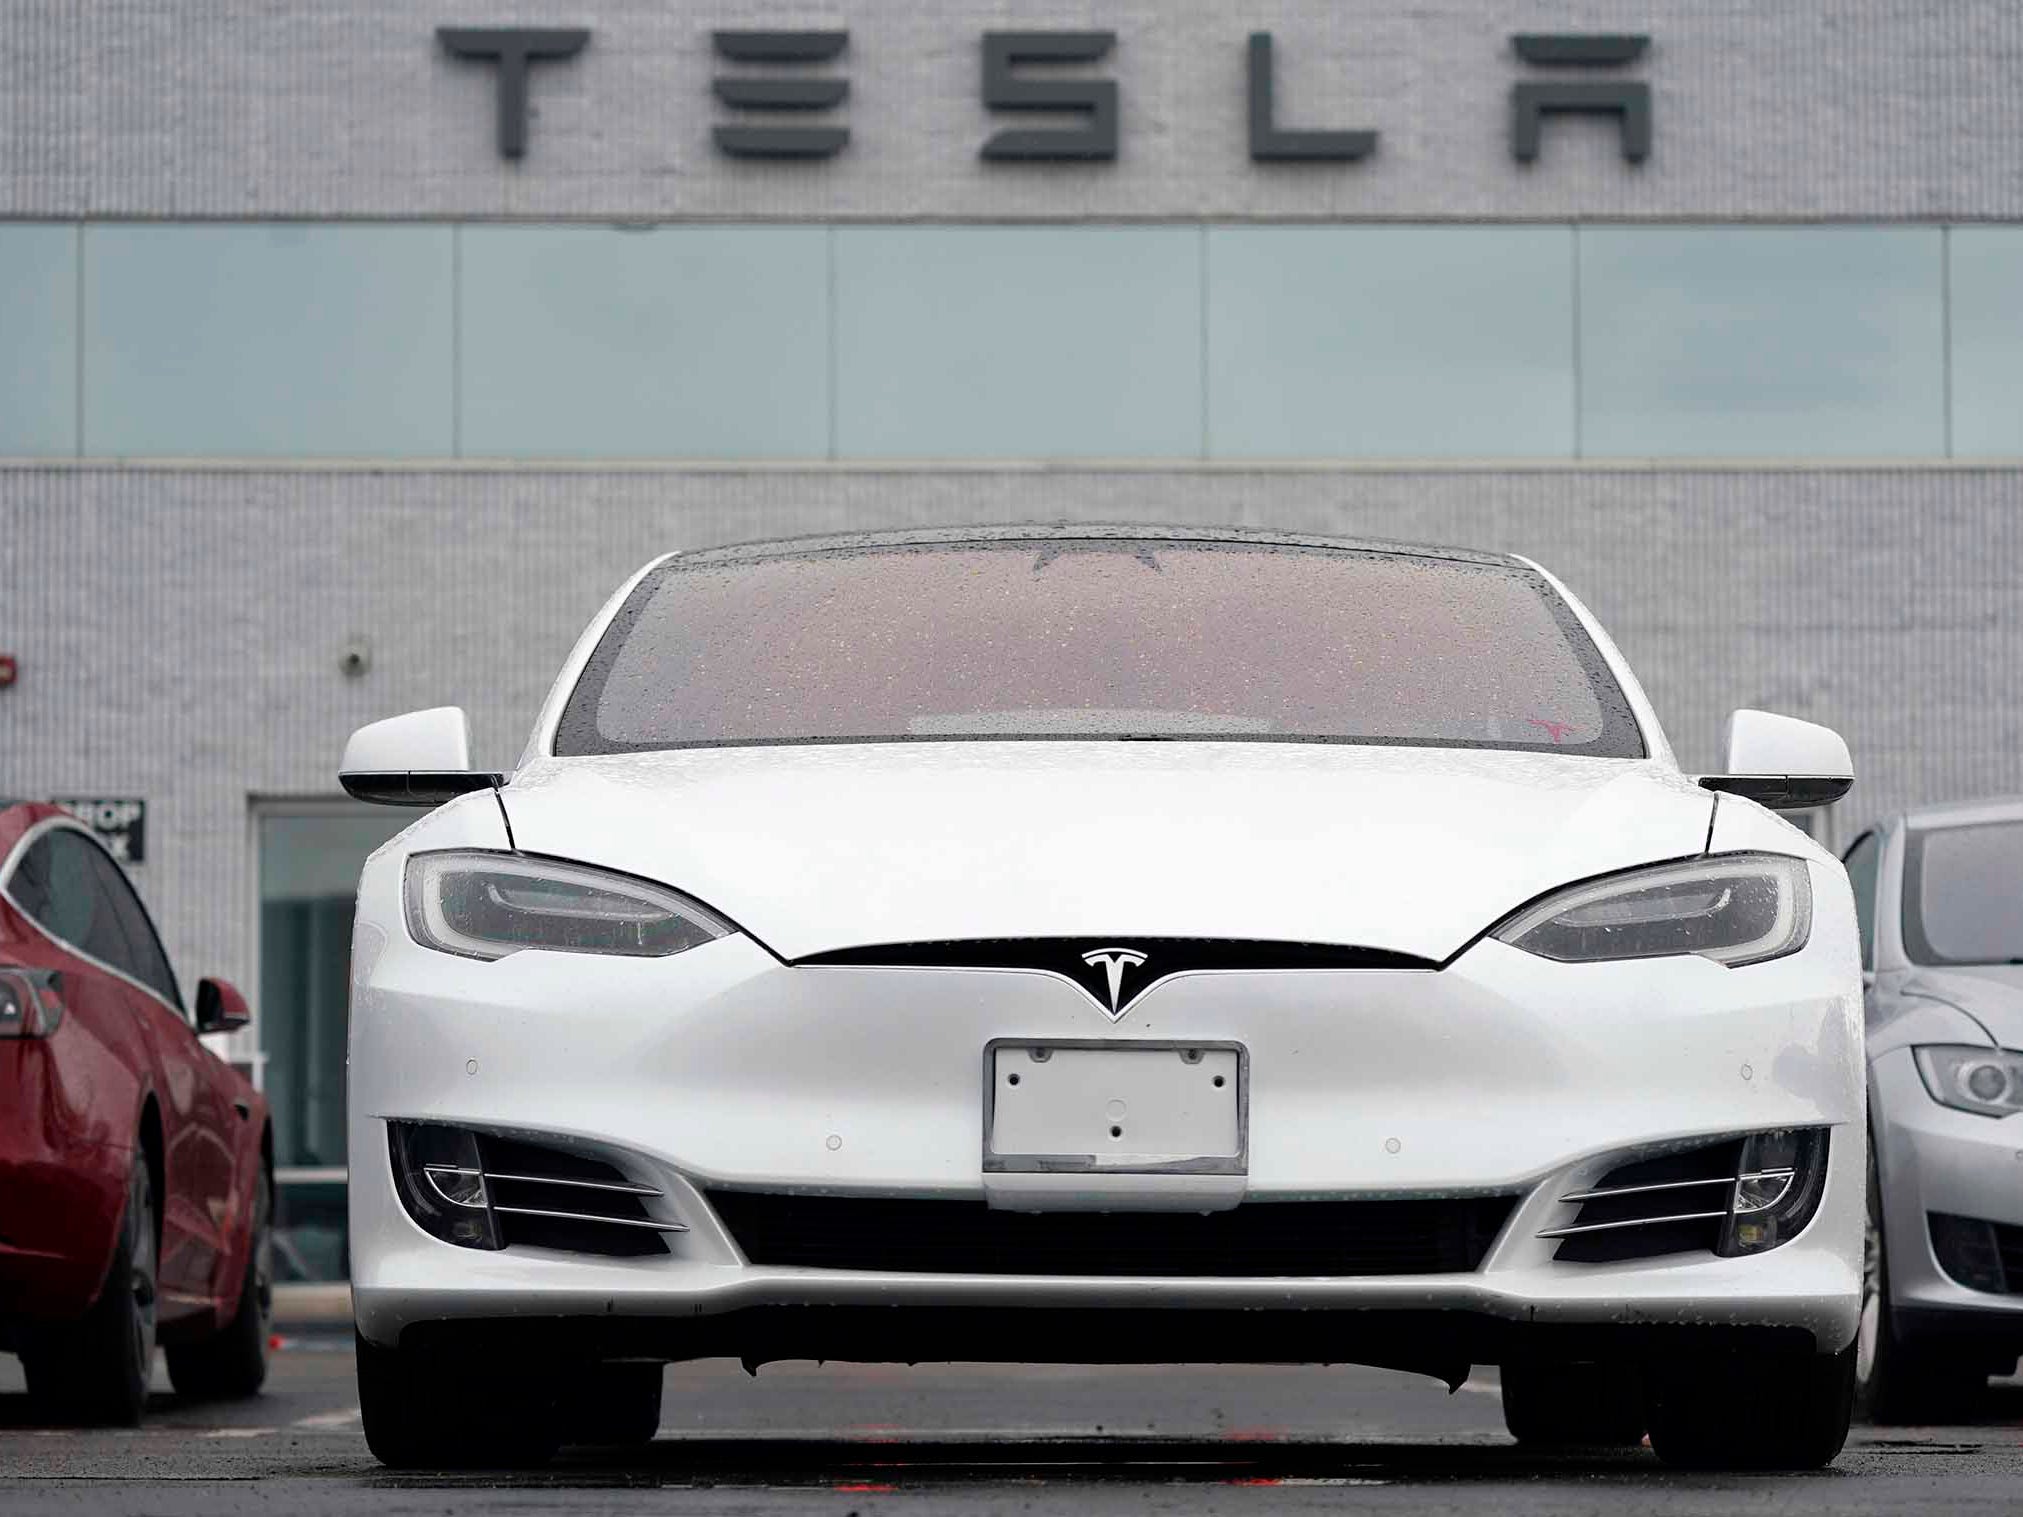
x=1096 y=638
x=1963 y=894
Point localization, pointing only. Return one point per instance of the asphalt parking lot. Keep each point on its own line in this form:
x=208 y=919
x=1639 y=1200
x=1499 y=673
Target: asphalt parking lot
x=976 y=1438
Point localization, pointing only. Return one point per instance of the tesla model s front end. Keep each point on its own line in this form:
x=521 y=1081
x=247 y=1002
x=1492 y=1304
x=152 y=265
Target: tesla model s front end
x=1085 y=944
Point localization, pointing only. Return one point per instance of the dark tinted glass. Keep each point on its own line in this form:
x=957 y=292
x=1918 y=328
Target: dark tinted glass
x=1096 y=638
x=29 y=885
x=59 y=885
x=1963 y=894
x=146 y=961
x=1862 y=861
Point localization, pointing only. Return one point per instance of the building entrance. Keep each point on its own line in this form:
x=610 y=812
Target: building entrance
x=310 y=855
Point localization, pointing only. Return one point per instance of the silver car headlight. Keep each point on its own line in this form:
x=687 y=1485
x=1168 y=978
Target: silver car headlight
x=1733 y=908
x=1984 y=1080
x=487 y=905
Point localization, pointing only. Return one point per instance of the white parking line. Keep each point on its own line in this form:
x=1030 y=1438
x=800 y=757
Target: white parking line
x=328 y=1419
x=238 y=1432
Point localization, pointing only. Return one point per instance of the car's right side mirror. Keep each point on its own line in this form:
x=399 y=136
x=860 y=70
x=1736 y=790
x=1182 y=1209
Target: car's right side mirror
x=420 y=759
x=220 y=1007
x=1782 y=762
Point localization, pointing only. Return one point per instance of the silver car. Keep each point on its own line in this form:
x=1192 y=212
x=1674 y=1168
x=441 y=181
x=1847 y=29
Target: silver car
x=1940 y=896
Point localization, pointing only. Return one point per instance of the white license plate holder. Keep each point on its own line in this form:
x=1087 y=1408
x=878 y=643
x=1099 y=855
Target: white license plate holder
x=1080 y=1106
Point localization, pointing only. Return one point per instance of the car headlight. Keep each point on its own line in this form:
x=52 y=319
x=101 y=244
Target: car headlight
x=487 y=905
x=1733 y=908
x=1984 y=1080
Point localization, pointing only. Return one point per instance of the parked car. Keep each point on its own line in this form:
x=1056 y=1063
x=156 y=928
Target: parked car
x=1939 y=892
x=1118 y=944
x=135 y=1182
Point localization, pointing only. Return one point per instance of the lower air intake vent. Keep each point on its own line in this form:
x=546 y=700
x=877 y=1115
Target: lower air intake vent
x=551 y=1198
x=1737 y=1196
x=1259 y=1239
x=481 y=1191
x=1673 y=1204
x=1983 y=1256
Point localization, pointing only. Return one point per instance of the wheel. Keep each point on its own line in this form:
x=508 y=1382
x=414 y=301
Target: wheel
x=427 y=1409
x=1775 y=1410
x=232 y=1364
x=615 y=1406
x=96 y=1370
x=1572 y=1405
x=1897 y=1381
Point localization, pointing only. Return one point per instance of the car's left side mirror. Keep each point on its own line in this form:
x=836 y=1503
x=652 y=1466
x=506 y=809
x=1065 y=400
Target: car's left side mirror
x=420 y=758
x=1782 y=762
x=220 y=1007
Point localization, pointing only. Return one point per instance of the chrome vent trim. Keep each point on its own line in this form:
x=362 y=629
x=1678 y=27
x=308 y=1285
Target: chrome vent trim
x=610 y=1185
x=1605 y=1191
x=1608 y=1227
x=571 y=1197
x=1732 y=1202
x=1744 y=1207
x=498 y=1190
x=559 y=1211
x=577 y=1216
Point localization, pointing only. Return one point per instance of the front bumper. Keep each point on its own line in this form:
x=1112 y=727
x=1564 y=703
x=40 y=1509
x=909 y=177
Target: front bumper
x=1806 y=1286
x=1502 y=1073
x=1931 y=1158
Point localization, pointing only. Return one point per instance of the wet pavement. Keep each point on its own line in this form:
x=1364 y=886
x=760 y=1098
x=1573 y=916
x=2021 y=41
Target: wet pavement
x=973 y=1438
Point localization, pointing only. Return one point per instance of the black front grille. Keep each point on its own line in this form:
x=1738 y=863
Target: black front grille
x=1983 y=1256
x=1259 y=1239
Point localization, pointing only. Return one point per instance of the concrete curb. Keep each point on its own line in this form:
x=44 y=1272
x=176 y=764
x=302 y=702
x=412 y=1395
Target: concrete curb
x=317 y=1305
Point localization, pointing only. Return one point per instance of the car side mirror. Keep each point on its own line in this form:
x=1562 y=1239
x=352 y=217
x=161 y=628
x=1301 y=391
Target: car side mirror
x=220 y=1007
x=420 y=759
x=1782 y=762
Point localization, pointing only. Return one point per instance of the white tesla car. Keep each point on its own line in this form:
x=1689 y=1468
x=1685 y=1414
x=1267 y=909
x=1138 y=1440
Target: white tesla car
x=1128 y=944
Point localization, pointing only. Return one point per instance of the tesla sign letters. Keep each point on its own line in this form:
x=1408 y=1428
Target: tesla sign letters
x=793 y=80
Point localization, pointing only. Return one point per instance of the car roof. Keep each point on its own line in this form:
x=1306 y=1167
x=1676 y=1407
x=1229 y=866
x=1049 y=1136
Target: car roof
x=843 y=542
x=1966 y=813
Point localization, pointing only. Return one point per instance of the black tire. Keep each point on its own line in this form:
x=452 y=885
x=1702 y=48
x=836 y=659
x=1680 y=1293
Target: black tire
x=1572 y=1405
x=96 y=1370
x=616 y=1406
x=1899 y=1382
x=1752 y=1411
x=232 y=1363
x=441 y=1411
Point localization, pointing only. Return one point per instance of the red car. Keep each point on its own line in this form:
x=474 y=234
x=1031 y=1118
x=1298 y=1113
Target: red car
x=136 y=1175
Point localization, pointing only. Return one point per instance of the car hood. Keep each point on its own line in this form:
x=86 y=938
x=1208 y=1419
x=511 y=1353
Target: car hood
x=816 y=848
x=1992 y=994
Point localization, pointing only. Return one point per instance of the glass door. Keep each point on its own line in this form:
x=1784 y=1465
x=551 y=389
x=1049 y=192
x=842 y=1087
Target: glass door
x=310 y=854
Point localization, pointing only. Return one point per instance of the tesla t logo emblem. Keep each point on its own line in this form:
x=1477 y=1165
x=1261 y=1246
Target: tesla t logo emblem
x=1114 y=961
